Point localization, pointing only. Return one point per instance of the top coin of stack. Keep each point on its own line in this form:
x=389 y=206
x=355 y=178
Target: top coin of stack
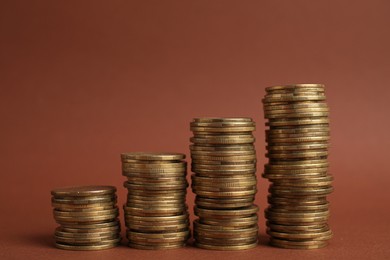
x=298 y=141
x=156 y=213
x=224 y=163
x=88 y=217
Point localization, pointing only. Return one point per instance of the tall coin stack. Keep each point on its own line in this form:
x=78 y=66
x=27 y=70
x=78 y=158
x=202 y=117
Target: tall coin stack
x=88 y=217
x=297 y=148
x=224 y=162
x=156 y=213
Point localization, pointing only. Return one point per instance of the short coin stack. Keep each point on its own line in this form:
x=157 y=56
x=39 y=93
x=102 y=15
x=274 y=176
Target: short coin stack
x=88 y=217
x=156 y=213
x=297 y=148
x=224 y=163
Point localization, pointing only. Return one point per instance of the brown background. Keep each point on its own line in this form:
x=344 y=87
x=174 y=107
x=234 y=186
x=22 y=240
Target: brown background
x=83 y=81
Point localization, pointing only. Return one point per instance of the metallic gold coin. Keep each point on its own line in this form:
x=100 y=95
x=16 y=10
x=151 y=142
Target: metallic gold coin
x=85 y=200
x=227 y=163
x=322 y=235
x=297 y=135
x=222 y=119
x=299 y=191
x=291 y=110
x=85 y=213
x=100 y=246
x=91 y=220
x=152 y=156
x=223 y=172
x=272 y=140
x=223 y=189
x=146 y=180
x=299 y=115
x=225 y=241
x=293 y=98
x=224 y=159
x=200 y=226
x=239 y=139
x=156 y=186
x=83 y=235
x=298 y=147
x=294 y=155
x=224 y=194
x=89 y=226
x=228 y=247
x=152 y=171
x=158 y=237
x=225 y=200
x=231 y=222
x=83 y=207
x=161 y=211
x=222 y=149
x=225 y=213
x=291 y=245
x=195 y=166
x=87 y=241
x=296 y=228
x=231 y=129
x=83 y=191
x=294 y=106
x=289 y=208
x=251 y=232
x=307 y=129
x=158 y=228
x=170 y=165
x=115 y=228
x=181 y=217
x=303 y=121
x=157 y=247
x=154 y=175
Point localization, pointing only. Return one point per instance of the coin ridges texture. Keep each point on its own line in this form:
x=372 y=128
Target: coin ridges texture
x=156 y=213
x=297 y=137
x=224 y=181
x=88 y=217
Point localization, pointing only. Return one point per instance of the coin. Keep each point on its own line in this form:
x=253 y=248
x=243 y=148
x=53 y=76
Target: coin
x=81 y=191
x=226 y=247
x=161 y=156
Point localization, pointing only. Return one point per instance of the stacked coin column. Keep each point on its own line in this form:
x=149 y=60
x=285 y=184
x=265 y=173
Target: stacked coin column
x=88 y=217
x=297 y=146
x=224 y=163
x=156 y=213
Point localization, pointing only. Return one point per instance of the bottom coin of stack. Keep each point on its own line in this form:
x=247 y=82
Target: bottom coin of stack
x=156 y=213
x=224 y=181
x=88 y=217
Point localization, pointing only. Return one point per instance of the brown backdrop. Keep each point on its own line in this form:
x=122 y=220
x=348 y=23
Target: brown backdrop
x=83 y=81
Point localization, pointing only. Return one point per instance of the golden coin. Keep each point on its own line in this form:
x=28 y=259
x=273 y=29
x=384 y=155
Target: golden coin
x=228 y=129
x=303 y=121
x=200 y=226
x=152 y=156
x=100 y=246
x=322 y=235
x=307 y=129
x=196 y=166
x=247 y=139
x=289 y=208
x=84 y=200
x=278 y=140
x=92 y=235
x=85 y=213
x=157 y=247
x=294 y=154
x=233 y=163
x=134 y=166
x=87 y=241
x=298 y=147
x=115 y=228
x=225 y=213
x=224 y=194
x=222 y=149
x=294 y=106
x=228 y=247
x=156 y=186
x=222 y=119
x=225 y=241
x=89 y=226
x=153 y=171
x=294 y=245
x=231 y=222
x=159 y=228
x=299 y=115
x=291 y=110
x=181 y=217
x=296 y=228
x=222 y=159
x=82 y=191
x=91 y=220
x=83 y=207
x=162 y=236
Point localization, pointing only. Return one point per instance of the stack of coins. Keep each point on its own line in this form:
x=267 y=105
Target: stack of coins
x=297 y=148
x=156 y=213
x=224 y=162
x=88 y=217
